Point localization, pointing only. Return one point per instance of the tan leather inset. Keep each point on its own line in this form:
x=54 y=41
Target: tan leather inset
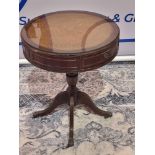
x=71 y=32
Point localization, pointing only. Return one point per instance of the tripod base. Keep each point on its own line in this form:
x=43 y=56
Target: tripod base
x=72 y=96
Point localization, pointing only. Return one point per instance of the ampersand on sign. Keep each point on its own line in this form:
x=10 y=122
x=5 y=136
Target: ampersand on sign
x=116 y=18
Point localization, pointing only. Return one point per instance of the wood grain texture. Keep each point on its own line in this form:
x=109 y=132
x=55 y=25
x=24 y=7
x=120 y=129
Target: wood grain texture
x=95 y=31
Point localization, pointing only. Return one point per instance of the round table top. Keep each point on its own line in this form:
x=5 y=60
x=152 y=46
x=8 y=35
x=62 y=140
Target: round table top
x=70 y=33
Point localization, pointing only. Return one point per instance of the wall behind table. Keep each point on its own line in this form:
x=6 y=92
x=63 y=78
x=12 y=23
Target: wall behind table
x=122 y=12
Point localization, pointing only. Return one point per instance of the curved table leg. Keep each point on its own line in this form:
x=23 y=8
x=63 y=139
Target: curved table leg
x=71 y=123
x=84 y=99
x=61 y=98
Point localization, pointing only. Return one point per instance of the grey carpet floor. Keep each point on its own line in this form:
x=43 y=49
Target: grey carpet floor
x=111 y=88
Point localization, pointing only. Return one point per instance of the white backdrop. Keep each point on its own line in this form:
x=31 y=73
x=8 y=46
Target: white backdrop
x=121 y=11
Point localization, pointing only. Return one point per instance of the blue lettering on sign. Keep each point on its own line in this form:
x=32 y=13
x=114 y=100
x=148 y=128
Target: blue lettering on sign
x=23 y=20
x=22 y=4
x=116 y=18
x=129 y=18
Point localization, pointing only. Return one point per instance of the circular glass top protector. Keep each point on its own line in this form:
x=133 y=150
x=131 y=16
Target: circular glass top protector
x=70 y=32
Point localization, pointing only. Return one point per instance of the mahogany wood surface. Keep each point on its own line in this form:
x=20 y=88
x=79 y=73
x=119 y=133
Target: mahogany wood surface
x=42 y=48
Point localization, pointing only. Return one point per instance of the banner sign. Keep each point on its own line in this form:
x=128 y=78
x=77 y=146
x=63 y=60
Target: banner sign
x=122 y=12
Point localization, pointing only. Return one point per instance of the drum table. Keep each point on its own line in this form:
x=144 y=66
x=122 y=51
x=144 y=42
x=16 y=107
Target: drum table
x=70 y=42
